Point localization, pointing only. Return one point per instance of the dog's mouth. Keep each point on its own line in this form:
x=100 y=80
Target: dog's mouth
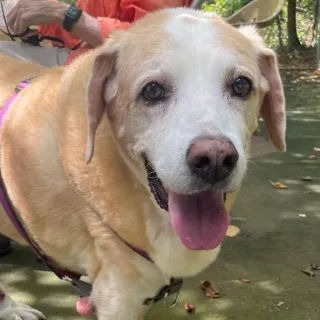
x=200 y=220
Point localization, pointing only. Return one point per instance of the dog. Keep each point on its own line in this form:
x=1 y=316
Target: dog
x=171 y=103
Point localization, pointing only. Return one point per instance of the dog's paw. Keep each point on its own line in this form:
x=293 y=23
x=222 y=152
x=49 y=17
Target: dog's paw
x=11 y=310
x=24 y=312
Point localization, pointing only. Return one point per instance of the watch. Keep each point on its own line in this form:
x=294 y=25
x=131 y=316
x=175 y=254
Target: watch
x=71 y=15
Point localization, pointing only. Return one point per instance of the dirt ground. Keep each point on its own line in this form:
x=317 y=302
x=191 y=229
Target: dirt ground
x=278 y=235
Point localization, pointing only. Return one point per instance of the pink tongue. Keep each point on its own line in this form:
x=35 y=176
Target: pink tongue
x=200 y=220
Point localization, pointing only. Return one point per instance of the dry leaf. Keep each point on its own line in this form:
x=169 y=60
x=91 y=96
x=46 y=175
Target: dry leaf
x=232 y=231
x=316 y=149
x=315 y=267
x=209 y=290
x=312 y=157
x=278 y=185
x=245 y=280
x=308 y=272
x=279 y=304
x=306 y=178
x=189 y=307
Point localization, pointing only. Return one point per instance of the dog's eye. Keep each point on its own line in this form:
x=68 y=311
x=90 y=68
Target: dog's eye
x=241 y=87
x=153 y=92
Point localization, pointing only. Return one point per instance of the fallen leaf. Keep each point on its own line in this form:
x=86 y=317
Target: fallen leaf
x=189 y=307
x=316 y=149
x=278 y=185
x=209 y=290
x=245 y=280
x=308 y=272
x=312 y=157
x=281 y=303
x=306 y=178
x=315 y=267
x=232 y=231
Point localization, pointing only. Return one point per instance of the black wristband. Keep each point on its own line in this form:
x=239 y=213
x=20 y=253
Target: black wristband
x=71 y=15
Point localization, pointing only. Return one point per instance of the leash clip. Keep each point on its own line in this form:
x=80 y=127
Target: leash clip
x=83 y=288
x=66 y=278
x=173 y=288
x=174 y=302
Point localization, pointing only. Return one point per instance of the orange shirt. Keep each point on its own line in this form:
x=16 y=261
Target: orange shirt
x=111 y=14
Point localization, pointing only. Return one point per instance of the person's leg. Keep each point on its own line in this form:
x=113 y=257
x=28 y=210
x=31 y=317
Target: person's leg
x=5 y=246
x=48 y=57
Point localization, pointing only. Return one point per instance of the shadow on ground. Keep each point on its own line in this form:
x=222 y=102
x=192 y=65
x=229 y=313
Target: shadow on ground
x=279 y=236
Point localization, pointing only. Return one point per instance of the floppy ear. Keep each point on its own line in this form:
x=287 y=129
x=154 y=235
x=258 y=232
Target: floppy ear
x=101 y=72
x=273 y=104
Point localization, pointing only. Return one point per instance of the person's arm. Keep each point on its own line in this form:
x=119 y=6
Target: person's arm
x=92 y=30
x=86 y=28
x=43 y=13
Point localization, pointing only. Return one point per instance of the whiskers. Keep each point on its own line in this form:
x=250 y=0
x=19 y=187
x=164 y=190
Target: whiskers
x=250 y=170
x=252 y=162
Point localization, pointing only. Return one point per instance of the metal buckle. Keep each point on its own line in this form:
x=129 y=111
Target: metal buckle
x=176 y=299
x=83 y=288
x=20 y=87
x=66 y=278
x=17 y=89
x=173 y=288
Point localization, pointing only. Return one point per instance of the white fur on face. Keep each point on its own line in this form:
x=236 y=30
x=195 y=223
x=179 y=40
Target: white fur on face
x=200 y=105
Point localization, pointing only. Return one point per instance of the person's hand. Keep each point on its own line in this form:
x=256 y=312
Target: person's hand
x=34 y=13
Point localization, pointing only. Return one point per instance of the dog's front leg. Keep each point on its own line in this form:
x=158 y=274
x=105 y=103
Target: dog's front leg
x=11 y=310
x=118 y=305
x=120 y=298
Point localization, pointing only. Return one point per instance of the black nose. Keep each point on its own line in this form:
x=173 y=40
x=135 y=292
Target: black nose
x=212 y=160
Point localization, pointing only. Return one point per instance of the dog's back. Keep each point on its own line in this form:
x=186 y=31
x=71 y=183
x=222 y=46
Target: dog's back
x=14 y=71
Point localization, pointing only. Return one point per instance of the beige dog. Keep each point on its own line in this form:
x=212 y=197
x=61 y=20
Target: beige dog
x=175 y=97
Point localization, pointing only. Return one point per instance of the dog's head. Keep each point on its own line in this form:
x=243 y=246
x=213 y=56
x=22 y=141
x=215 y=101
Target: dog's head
x=183 y=91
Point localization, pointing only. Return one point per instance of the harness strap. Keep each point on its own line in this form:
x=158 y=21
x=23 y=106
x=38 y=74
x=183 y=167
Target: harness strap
x=62 y=274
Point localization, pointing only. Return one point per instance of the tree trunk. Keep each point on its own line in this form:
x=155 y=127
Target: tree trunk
x=293 y=40
x=318 y=40
x=316 y=20
x=318 y=53
x=279 y=27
